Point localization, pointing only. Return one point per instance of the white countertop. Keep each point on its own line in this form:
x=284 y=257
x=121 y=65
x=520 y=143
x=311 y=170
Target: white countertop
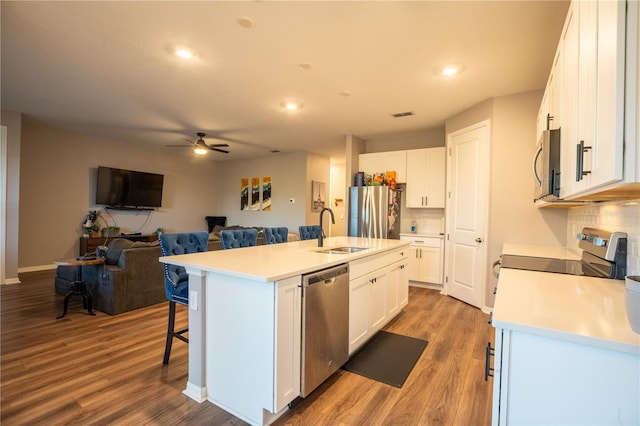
x=578 y=309
x=275 y=262
x=539 y=251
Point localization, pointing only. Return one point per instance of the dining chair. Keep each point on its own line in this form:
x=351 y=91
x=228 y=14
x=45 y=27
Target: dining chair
x=309 y=232
x=176 y=279
x=236 y=238
x=276 y=235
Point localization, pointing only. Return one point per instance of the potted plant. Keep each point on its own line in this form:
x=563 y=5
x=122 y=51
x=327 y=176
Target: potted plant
x=159 y=231
x=111 y=231
x=95 y=230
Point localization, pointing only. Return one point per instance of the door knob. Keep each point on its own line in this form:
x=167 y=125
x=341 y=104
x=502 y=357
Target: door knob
x=479 y=240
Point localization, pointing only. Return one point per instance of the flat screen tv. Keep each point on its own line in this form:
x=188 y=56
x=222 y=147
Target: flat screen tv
x=128 y=188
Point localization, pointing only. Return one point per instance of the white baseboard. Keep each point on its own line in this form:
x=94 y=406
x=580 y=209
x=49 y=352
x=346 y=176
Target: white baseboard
x=37 y=268
x=9 y=281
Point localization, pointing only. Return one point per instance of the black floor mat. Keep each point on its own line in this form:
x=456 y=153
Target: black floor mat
x=387 y=358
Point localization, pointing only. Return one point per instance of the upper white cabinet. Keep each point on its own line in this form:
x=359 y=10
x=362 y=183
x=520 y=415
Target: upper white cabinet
x=426 y=178
x=381 y=162
x=598 y=47
x=550 y=113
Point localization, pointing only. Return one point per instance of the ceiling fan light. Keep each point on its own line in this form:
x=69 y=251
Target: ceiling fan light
x=200 y=150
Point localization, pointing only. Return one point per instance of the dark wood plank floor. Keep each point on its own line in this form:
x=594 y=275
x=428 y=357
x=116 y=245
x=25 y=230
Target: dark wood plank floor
x=83 y=370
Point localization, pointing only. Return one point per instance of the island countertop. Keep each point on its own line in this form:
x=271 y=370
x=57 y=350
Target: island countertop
x=273 y=262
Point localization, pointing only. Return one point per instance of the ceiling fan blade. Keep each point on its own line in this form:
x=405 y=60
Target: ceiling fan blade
x=218 y=150
x=218 y=144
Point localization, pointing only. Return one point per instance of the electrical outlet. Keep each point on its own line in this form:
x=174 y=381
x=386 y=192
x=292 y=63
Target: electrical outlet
x=193 y=300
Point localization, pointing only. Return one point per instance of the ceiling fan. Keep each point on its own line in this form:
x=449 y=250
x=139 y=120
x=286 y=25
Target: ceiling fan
x=201 y=147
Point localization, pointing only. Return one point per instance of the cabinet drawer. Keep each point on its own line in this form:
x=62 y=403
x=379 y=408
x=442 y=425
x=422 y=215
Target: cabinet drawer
x=423 y=241
x=397 y=255
x=360 y=267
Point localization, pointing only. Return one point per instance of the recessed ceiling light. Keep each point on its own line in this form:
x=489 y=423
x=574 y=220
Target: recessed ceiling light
x=246 y=22
x=305 y=65
x=183 y=53
x=345 y=93
x=449 y=71
x=291 y=105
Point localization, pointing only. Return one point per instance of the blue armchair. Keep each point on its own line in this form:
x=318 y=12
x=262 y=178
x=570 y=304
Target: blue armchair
x=276 y=235
x=310 y=232
x=235 y=238
x=176 y=279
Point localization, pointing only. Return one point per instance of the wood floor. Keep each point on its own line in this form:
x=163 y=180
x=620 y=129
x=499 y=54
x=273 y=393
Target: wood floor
x=104 y=370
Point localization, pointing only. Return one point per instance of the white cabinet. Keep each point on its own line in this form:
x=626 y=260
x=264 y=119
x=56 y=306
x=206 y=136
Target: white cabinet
x=397 y=287
x=287 y=359
x=367 y=307
x=381 y=162
x=550 y=113
x=426 y=178
x=598 y=41
x=544 y=381
x=425 y=259
x=378 y=290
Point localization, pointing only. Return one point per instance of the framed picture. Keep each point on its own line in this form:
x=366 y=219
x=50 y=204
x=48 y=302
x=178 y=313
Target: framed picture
x=317 y=196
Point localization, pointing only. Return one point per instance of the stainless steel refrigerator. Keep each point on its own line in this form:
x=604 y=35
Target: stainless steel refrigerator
x=374 y=211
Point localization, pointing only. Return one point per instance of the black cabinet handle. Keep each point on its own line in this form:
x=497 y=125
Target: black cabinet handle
x=580 y=150
x=489 y=352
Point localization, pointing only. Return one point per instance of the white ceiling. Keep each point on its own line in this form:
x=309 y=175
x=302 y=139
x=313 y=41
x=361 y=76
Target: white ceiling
x=108 y=69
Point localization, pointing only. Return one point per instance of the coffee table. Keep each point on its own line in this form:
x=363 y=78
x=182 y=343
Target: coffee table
x=78 y=288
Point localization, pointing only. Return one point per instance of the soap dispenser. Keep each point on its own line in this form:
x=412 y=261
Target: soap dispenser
x=414 y=227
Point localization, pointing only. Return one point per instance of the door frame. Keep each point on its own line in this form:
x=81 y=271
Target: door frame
x=449 y=213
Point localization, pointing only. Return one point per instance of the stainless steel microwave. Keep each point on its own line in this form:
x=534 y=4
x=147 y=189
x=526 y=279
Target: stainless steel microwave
x=546 y=166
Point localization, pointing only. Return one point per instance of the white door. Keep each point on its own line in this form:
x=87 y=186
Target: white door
x=467 y=213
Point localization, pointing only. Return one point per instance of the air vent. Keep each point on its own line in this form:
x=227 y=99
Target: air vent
x=402 y=114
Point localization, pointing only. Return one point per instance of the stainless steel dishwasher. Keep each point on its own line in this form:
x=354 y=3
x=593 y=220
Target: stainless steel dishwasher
x=325 y=325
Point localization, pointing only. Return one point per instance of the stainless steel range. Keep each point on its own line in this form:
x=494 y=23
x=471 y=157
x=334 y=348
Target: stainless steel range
x=604 y=255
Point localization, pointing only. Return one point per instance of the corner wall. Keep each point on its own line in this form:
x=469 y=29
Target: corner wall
x=58 y=171
x=13 y=121
x=513 y=218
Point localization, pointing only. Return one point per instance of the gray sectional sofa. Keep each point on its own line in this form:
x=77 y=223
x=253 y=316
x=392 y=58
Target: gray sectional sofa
x=131 y=277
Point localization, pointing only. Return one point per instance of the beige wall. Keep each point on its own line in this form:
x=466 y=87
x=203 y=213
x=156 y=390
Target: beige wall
x=318 y=170
x=288 y=174
x=512 y=214
x=57 y=188
x=426 y=139
x=13 y=121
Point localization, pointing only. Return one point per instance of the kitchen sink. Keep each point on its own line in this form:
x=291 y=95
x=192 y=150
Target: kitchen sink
x=342 y=250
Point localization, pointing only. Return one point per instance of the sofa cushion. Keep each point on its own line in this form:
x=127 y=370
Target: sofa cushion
x=115 y=248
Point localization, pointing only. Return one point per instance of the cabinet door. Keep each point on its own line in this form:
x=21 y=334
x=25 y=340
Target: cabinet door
x=430 y=265
x=396 y=161
x=393 y=283
x=402 y=275
x=426 y=178
x=569 y=135
x=607 y=156
x=593 y=92
x=287 y=359
x=359 y=294
x=372 y=163
x=414 y=264
x=435 y=178
x=378 y=301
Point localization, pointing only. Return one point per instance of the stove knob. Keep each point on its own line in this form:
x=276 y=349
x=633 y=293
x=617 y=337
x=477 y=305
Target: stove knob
x=581 y=236
x=599 y=242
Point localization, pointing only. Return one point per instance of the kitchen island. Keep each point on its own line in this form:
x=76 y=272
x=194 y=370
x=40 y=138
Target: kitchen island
x=245 y=316
x=564 y=351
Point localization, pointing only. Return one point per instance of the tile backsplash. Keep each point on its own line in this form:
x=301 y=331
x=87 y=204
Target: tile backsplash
x=621 y=216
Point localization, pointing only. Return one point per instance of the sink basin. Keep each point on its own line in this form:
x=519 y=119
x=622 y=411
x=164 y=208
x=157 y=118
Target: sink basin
x=342 y=250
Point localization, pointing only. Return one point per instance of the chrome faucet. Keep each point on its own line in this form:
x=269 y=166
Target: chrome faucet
x=321 y=236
